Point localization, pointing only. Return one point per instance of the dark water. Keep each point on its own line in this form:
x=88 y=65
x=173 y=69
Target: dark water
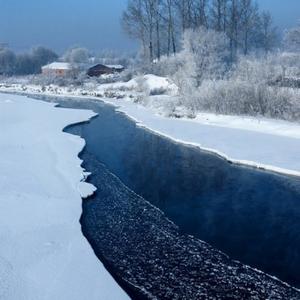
x=251 y=215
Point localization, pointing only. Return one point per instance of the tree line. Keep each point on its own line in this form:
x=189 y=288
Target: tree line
x=160 y=24
x=31 y=62
x=25 y=63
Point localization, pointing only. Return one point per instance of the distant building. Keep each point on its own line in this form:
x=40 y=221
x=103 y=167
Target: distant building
x=100 y=69
x=58 y=69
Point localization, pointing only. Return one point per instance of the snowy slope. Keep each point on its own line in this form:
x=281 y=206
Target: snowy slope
x=43 y=254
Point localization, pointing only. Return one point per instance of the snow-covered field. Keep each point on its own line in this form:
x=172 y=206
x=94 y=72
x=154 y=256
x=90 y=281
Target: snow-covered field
x=266 y=143
x=43 y=254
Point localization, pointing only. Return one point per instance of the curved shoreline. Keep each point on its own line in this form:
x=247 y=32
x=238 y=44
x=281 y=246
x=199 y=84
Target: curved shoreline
x=119 y=108
x=41 y=183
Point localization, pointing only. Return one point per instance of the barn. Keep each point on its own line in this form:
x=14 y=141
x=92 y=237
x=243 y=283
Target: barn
x=100 y=69
x=57 y=69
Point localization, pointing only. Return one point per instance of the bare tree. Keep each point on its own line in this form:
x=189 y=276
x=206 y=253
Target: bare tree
x=249 y=20
x=185 y=12
x=134 y=22
x=170 y=5
x=201 y=18
x=269 y=35
x=219 y=15
x=159 y=24
x=233 y=27
x=7 y=61
x=76 y=55
x=158 y=17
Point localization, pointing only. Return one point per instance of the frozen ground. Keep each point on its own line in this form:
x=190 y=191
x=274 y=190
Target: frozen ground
x=43 y=254
x=266 y=143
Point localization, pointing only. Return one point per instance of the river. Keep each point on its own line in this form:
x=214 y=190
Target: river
x=251 y=215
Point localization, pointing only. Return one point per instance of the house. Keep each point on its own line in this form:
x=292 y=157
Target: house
x=57 y=69
x=100 y=69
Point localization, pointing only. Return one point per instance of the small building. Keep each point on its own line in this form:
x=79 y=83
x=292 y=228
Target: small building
x=57 y=69
x=100 y=69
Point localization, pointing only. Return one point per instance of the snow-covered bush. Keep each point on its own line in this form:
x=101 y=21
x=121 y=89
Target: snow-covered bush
x=238 y=97
x=203 y=57
x=152 y=85
x=267 y=69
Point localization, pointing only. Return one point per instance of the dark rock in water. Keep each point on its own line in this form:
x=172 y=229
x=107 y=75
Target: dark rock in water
x=151 y=259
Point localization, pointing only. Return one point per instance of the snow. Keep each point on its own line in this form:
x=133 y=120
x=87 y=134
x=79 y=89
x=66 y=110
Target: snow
x=57 y=66
x=43 y=254
x=149 y=83
x=115 y=66
x=154 y=83
x=262 y=125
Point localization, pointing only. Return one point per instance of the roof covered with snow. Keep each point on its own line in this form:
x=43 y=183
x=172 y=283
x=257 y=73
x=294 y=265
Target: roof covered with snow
x=58 y=65
x=115 y=66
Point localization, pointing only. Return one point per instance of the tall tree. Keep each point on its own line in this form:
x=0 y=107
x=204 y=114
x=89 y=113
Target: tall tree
x=185 y=12
x=249 y=21
x=218 y=13
x=269 y=36
x=134 y=22
x=7 y=61
x=233 y=27
x=170 y=6
x=201 y=18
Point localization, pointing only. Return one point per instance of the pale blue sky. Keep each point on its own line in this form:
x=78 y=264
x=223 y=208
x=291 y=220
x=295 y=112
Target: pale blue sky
x=91 y=23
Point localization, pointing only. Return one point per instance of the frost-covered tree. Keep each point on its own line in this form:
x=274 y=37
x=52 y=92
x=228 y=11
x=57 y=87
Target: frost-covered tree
x=248 y=24
x=206 y=51
x=7 y=61
x=44 y=55
x=25 y=65
x=76 y=55
x=268 y=37
x=160 y=24
x=171 y=25
x=201 y=13
x=134 y=22
x=292 y=39
x=41 y=56
x=141 y=20
x=219 y=15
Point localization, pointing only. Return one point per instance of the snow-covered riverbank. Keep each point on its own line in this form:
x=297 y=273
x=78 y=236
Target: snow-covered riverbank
x=43 y=254
x=260 y=142
x=264 y=143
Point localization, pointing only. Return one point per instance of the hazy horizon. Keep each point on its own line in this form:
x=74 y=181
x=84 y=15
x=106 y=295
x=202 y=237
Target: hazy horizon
x=61 y=24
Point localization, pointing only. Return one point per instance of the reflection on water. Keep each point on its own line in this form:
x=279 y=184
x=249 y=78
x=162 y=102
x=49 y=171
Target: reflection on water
x=252 y=215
